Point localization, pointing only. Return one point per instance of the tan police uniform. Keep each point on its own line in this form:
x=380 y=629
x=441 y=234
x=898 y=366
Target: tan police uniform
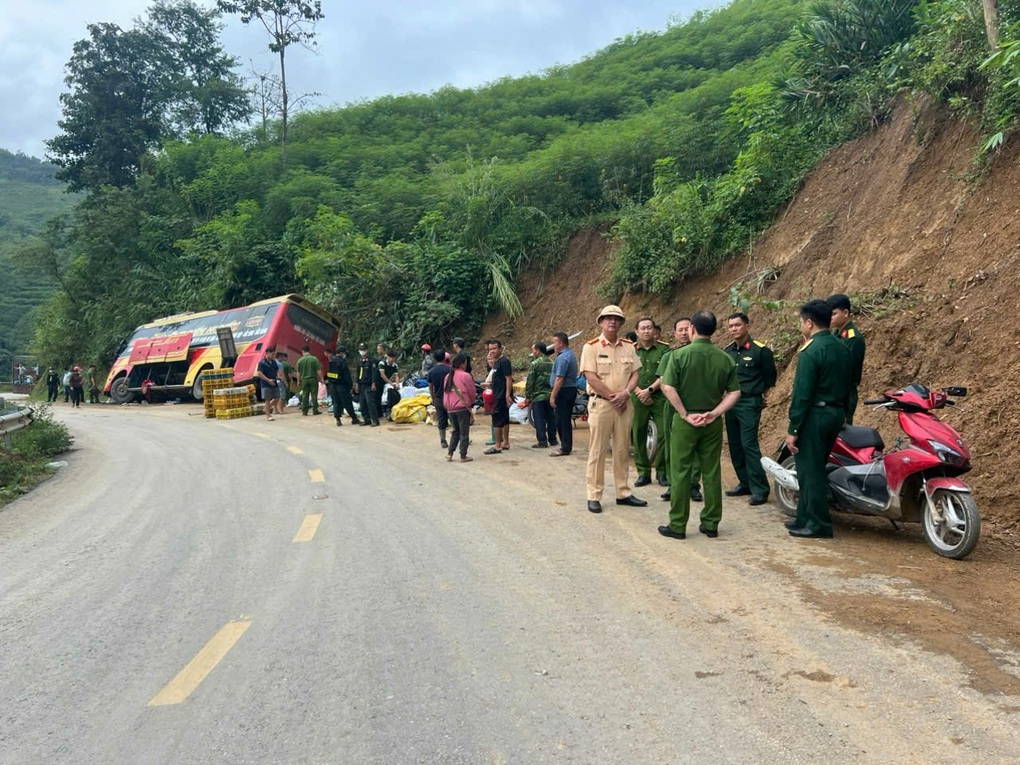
x=613 y=364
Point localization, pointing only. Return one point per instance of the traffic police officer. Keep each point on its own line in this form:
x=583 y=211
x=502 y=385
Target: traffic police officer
x=821 y=392
x=852 y=338
x=610 y=368
x=681 y=338
x=338 y=374
x=649 y=404
x=700 y=383
x=756 y=372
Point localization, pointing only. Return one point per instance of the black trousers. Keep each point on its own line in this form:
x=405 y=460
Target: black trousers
x=546 y=427
x=342 y=401
x=51 y=393
x=564 y=422
x=366 y=400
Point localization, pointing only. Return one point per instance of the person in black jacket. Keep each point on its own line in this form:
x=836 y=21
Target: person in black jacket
x=338 y=375
x=368 y=383
x=52 y=385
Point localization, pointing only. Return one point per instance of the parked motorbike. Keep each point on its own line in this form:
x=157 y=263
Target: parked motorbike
x=915 y=482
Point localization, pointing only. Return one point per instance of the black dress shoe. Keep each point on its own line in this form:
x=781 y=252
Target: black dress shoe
x=666 y=531
x=642 y=480
x=338 y=423
x=757 y=499
x=738 y=491
x=662 y=480
x=792 y=525
x=594 y=506
x=632 y=501
x=710 y=533
x=809 y=534
x=696 y=494
x=540 y=446
x=666 y=495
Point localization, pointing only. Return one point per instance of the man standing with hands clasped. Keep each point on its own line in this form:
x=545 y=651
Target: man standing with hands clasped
x=700 y=382
x=610 y=367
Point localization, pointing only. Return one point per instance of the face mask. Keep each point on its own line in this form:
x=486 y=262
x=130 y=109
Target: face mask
x=363 y=353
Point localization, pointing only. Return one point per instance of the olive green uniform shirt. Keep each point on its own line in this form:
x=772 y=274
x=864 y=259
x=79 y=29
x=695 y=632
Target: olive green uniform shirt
x=702 y=375
x=308 y=367
x=854 y=342
x=650 y=360
x=823 y=376
x=756 y=366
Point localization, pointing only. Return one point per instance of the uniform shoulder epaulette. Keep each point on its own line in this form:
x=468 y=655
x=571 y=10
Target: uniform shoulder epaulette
x=630 y=342
x=660 y=342
x=851 y=333
x=759 y=343
x=805 y=345
x=592 y=341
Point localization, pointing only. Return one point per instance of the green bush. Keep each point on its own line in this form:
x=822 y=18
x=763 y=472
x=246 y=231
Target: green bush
x=43 y=439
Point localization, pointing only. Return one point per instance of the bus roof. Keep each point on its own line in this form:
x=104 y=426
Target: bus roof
x=289 y=298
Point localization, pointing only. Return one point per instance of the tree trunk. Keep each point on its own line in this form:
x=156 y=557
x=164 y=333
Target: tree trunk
x=992 y=22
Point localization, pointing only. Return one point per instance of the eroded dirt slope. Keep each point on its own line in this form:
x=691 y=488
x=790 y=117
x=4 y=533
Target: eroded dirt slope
x=893 y=210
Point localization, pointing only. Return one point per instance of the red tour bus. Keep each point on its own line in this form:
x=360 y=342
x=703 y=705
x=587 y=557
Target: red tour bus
x=169 y=354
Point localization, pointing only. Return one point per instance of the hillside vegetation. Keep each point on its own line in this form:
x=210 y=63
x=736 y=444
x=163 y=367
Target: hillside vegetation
x=29 y=197
x=412 y=216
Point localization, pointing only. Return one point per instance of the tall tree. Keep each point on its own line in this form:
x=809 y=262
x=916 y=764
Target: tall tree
x=992 y=22
x=128 y=90
x=204 y=93
x=112 y=114
x=287 y=22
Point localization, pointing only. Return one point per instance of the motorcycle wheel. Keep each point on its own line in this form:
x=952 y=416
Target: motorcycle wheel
x=652 y=441
x=787 y=498
x=951 y=523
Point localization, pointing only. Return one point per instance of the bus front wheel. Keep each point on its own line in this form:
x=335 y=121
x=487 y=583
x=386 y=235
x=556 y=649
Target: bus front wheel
x=196 y=387
x=119 y=392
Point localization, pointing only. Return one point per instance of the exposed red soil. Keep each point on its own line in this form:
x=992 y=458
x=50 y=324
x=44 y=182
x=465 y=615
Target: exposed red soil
x=894 y=209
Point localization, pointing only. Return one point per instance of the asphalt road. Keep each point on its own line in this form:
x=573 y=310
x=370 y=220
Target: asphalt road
x=169 y=598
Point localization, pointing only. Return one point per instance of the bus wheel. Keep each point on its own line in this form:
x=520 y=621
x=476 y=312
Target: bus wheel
x=196 y=387
x=119 y=392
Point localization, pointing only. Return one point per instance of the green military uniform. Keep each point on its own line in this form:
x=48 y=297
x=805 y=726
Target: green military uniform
x=821 y=390
x=649 y=373
x=308 y=371
x=854 y=341
x=756 y=372
x=669 y=414
x=702 y=375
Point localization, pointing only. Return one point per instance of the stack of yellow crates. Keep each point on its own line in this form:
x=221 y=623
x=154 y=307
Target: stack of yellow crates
x=231 y=403
x=213 y=380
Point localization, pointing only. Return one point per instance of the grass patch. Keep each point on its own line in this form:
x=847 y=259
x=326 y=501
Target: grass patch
x=24 y=466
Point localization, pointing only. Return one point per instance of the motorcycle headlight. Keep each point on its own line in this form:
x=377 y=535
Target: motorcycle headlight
x=947 y=455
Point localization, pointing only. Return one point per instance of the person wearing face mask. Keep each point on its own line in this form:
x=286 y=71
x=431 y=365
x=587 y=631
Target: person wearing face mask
x=368 y=384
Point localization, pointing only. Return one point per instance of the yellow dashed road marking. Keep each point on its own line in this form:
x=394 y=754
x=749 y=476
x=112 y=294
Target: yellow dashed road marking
x=308 y=528
x=205 y=661
x=315 y=476
x=294 y=450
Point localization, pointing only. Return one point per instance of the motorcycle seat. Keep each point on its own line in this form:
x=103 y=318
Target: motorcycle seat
x=860 y=437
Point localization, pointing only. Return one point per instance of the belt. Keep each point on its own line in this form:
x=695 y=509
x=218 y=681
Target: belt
x=838 y=405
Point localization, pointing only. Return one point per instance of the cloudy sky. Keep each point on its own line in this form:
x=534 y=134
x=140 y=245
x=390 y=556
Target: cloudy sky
x=367 y=48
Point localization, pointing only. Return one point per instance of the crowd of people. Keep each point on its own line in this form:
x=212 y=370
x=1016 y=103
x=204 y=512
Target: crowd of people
x=691 y=389
x=73 y=383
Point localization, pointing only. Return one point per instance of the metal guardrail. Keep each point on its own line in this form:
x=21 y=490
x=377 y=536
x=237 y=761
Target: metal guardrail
x=13 y=422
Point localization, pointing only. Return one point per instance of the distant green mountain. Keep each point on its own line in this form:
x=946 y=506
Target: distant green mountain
x=29 y=196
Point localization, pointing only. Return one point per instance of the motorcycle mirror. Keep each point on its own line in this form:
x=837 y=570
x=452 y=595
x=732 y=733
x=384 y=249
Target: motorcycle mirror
x=955 y=390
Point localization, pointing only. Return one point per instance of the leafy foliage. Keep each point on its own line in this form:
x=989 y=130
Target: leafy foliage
x=411 y=216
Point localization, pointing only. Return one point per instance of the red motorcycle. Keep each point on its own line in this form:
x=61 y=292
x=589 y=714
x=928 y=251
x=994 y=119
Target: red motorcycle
x=915 y=482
